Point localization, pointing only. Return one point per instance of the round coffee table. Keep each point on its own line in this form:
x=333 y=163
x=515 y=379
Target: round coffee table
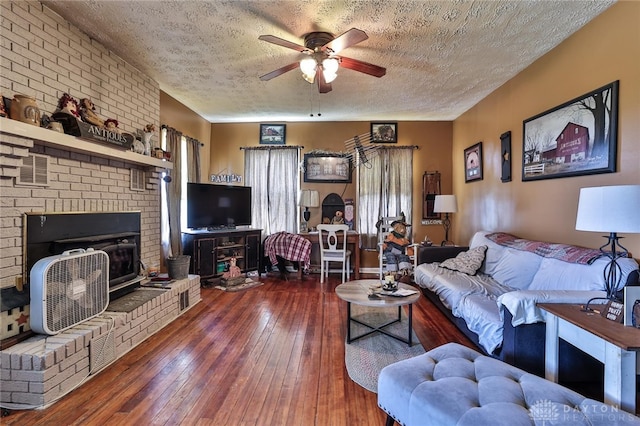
x=358 y=292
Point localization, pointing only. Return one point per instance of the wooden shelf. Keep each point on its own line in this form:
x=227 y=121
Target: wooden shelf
x=71 y=143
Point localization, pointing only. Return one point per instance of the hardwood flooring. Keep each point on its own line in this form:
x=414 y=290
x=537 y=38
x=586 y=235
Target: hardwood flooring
x=271 y=355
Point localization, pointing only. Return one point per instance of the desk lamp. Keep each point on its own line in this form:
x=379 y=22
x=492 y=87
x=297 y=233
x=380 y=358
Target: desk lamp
x=445 y=204
x=308 y=198
x=610 y=209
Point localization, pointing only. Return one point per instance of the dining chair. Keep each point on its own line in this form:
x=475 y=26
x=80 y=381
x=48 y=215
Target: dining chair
x=333 y=248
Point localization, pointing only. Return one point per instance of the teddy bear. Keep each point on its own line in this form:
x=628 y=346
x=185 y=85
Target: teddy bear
x=338 y=219
x=396 y=248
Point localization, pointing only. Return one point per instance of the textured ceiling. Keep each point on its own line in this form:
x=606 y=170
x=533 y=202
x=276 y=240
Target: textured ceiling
x=442 y=57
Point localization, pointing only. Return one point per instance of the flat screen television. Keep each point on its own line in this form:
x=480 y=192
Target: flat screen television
x=218 y=206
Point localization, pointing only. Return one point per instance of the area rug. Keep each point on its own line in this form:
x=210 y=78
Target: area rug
x=365 y=357
x=249 y=283
x=131 y=301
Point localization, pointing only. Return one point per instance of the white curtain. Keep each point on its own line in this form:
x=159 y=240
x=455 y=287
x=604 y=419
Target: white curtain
x=272 y=174
x=385 y=188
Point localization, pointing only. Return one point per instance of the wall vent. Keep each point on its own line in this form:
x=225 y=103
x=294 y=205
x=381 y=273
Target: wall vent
x=184 y=300
x=102 y=352
x=34 y=171
x=137 y=180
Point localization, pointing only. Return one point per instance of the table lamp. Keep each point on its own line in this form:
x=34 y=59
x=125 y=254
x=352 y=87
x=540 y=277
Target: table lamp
x=445 y=204
x=308 y=198
x=610 y=209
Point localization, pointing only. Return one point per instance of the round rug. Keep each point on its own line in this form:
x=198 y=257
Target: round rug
x=366 y=357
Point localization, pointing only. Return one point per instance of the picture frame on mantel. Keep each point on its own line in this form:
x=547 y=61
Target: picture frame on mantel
x=473 y=163
x=576 y=138
x=273 y=134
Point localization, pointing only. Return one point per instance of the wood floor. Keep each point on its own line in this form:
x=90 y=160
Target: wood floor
x=271 y=355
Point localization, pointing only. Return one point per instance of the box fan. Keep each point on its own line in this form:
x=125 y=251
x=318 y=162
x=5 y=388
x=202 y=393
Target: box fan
x=68 y=289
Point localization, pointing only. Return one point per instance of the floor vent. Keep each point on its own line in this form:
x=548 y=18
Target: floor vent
x=184 y=300
x=102 y=352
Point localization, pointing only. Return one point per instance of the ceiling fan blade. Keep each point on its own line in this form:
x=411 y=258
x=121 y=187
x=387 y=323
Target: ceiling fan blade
x=361 y=66
x=346 y=39
x=284 y=43
x=279 y=71
x=323 y=86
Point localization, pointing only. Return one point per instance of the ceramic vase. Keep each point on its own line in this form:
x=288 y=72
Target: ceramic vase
x=146 y=138
x=24 y=108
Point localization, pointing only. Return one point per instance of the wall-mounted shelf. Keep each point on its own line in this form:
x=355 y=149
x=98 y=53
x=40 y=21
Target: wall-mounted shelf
x=71 y=143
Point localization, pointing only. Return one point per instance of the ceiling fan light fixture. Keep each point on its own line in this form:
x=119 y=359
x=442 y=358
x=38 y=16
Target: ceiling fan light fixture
x=308 y=67
x=330 y=65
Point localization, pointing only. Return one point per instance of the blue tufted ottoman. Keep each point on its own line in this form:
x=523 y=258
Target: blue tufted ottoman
x=455 y=385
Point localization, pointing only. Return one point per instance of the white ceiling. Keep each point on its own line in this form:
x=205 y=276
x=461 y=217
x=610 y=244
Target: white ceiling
x=442 y=57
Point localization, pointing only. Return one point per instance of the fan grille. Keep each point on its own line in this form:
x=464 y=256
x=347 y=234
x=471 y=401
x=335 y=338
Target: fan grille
x=76 y=289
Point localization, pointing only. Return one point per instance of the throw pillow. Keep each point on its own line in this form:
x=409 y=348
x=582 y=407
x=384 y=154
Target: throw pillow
x=467 y=262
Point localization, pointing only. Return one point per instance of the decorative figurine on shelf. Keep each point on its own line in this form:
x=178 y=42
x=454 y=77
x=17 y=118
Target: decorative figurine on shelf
x=338 y=219
x=87 y=113
x=396 y=248
x=234 y=271
x=112 y=125
x=149 y=129
x=68 y=105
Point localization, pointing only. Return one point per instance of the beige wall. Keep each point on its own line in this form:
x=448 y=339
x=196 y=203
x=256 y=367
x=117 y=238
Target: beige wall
x=434 y=153
x=176 y=115
x=539 y=209
x=605 y=50
x=433 y=138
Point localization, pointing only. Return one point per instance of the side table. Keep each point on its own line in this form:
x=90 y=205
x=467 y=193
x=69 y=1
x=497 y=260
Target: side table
x=611 y=343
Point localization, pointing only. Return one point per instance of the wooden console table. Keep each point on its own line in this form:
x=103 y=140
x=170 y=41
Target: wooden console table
x=611 y=343
x=353 y=241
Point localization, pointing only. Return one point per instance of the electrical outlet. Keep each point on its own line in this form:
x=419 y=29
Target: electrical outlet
x=19 y=284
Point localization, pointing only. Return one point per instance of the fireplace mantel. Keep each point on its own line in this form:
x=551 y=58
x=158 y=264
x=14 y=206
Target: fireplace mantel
x=74 y=144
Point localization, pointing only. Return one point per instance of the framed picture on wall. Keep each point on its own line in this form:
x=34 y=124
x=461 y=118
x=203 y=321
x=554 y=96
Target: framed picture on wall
x=473 y=163
x=384 y=132
x=273 y=134
x=327 y=168
x=576 y=138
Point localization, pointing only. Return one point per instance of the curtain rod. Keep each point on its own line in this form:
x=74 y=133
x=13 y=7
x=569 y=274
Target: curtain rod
x=164 y=126
x=272 y=147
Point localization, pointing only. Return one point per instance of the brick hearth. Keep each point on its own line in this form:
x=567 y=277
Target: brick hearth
x=41 y=369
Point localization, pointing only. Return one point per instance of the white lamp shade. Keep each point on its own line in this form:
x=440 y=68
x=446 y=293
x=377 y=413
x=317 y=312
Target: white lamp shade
x=309 y=198
x=308 y=66
x=445 y=204
x=609 y=209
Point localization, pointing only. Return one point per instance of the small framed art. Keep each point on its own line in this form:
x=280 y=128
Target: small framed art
x=473 y=163
x=273 y=134
x=326 y=168
x=384 y=132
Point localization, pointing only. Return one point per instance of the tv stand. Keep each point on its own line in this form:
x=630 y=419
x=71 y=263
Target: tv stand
x=212 y=249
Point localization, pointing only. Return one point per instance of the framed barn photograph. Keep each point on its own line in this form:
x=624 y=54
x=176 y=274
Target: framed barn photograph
x=384 y=132
x=576 y=138
x=273 y=134
x=327 y=168
x=473 y=163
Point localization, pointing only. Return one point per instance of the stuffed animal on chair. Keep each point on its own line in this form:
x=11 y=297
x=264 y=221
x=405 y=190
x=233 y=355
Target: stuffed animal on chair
x=396 y=248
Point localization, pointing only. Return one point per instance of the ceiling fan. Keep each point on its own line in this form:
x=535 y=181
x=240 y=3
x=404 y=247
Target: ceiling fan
x=322 y=62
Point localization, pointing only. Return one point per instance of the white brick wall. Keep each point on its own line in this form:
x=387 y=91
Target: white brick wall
x=45 y=56
x=39 y=370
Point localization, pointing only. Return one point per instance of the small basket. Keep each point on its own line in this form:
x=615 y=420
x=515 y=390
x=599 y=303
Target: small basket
x=230 y=282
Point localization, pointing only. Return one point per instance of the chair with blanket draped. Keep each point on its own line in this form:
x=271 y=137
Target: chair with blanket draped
x=333 y=248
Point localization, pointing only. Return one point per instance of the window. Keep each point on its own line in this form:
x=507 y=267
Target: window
x=385 y=188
